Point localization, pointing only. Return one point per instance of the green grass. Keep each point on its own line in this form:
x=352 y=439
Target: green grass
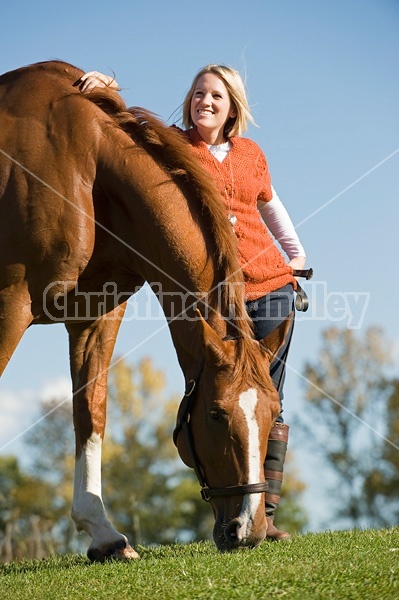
x=349 y=565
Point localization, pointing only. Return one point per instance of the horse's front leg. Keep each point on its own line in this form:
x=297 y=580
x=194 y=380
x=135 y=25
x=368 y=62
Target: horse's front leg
x=91 y=347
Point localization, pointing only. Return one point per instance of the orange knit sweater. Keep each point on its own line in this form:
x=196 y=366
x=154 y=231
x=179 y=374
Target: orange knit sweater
x=243 y=178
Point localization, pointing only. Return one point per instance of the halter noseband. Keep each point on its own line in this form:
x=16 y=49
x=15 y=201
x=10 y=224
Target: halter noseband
x=183 y=424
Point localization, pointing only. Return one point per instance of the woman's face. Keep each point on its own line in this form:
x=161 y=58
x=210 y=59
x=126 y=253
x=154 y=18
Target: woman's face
x=211 y=107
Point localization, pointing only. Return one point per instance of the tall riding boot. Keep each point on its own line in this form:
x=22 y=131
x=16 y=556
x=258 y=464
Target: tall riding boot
x=274 y=466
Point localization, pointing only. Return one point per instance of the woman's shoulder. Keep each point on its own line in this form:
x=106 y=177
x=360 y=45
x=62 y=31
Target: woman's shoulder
x=247 y=145
x=252 y=155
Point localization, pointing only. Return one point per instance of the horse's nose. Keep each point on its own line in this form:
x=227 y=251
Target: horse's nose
x=236 y=534
x=232 y=532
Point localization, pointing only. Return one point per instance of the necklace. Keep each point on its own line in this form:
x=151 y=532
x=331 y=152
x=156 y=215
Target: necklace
x=229 y=197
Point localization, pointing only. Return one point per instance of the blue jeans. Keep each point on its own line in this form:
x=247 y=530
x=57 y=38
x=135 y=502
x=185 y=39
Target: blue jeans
x=267 y=313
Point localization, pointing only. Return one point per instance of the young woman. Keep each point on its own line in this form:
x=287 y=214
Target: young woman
x=215 y=115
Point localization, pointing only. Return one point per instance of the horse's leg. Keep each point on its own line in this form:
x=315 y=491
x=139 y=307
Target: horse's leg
x=15 y=318
x=91 y=347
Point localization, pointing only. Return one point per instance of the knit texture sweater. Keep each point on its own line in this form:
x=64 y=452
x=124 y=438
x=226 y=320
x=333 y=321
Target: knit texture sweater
x=243 y=179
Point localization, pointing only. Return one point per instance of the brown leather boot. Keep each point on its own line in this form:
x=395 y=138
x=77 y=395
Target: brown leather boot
x=274 y=466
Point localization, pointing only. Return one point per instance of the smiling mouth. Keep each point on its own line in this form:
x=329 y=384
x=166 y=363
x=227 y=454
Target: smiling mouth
x=204 y=112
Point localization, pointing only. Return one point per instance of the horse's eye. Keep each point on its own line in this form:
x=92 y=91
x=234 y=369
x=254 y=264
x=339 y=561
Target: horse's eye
x=215 y=414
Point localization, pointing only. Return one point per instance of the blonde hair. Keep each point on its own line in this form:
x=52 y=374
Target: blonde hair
x=236 y=89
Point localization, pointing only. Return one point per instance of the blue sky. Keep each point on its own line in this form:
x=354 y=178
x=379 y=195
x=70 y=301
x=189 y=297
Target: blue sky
x=322 y=80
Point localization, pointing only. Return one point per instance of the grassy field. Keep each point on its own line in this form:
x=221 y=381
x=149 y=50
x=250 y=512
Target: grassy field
x=348 y=565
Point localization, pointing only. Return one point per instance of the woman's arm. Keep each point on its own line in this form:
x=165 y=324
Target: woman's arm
x=93 y=79
x=280 y=225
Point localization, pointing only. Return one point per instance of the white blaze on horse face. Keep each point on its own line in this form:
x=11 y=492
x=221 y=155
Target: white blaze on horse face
x=247 y=402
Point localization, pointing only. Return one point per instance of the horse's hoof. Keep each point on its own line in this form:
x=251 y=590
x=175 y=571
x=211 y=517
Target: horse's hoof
x=119 y=550
x=127 y=553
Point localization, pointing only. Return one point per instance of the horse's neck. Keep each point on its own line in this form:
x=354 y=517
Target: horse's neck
x=183 y=313
x=173 y=250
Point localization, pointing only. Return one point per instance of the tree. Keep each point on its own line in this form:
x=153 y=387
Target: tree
x=52 y=456
x=291 y=515
x=382 y=483
x=26 y=506
x=347 y=398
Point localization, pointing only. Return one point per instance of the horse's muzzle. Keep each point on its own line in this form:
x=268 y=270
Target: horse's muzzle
x=235 y=535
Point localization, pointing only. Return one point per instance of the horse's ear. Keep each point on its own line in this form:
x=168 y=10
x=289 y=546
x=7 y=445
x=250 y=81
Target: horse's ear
x=278 y=337
x=212 y=343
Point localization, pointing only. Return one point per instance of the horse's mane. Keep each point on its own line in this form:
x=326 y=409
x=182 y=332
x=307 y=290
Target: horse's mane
x=171 y=150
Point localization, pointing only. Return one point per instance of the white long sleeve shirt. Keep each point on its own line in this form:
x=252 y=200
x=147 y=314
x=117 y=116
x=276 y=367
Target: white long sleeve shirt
x=280 y=225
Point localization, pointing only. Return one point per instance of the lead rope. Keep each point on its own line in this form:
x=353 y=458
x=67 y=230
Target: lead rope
x=301 y=300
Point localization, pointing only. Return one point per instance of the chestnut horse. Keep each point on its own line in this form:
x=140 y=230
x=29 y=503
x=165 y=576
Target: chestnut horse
x=94 y=201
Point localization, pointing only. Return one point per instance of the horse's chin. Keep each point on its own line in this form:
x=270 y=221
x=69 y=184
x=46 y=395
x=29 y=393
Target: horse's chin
x=226 y=540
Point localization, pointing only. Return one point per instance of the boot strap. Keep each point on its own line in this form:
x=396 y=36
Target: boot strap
x=277 y=475
x=272 y=499
x=279 y=433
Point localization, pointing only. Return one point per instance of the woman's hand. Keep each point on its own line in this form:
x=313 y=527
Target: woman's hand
x=298 y=263
x=94 y=79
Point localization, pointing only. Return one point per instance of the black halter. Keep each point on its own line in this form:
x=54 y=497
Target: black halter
x=183 y=424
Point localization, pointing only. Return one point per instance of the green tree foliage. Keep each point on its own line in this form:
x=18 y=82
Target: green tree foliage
x=353 y=422
x=51 y=446
x=26 y=513
x=291 y=515
x=382 y=483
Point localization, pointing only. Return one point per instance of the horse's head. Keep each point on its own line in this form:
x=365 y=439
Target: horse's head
x=222 y=432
